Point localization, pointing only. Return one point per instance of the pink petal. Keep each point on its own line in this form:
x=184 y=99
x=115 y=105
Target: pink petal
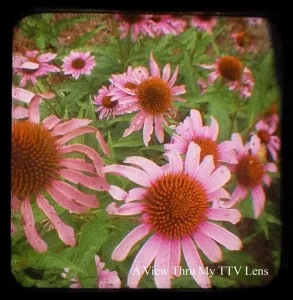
x=226 y=146
x=102 y=143
x=217 y=194
x=194 y=262
x=275 y=141
x=237 y=140
x=166 y=72
x=208 y=67
x=29 y=227
x=136 y=194
x=261 y=125
x=254 y=144
x=76 y=195
x=15 y=203
x=65 y=232
x=208 y=246
x=259 y=199
x=218 y=179
x=178 y=90
x=212 y=77
x=12 y=229
x=155 y=70
x=122 y=250
x=127 y=209
x=162 y=264
x=175 y=257
x=273 y=152
x=267 y=179
x=138 y=176
x=33 y=111
x=51 y=121
x=47 y=95
x=76 y=286
x=77 y=164
x=143 y=259
x=192 y=159
x=46 y=57
x=175 y=161
x=196 y=120
x=221 y=235
x=147 y=165
x=224 y=214
x=95 y=183
x=60 y=197
x=238 y=195
x=75 y=133
x=174 y=77
x=22 y=94
x=147 y=129
x=159 y=128
x=109 y=280
x=205 y=169
x=70 y=126
x=19 y=112
x=271 y=167
x=117 y=193
x=136 y=120
x=229 y=157
x=214 y=129
x=91 y=153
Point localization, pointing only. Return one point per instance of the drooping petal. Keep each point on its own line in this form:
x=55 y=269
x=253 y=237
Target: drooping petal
x=51 y=121
x=70 y=126
x=77 y=164
x=148 y=129
x=205 y=169
x=267 y=179
x=19 y=112
x=218 y=194
x=259 y=199
x=271 y=167
x=218 y=179
x=238 y=194
x=117 y=193
x=159 y=128
x=33 y=111
x=102 y=143
x=75 y=133
x=22 y=94
x=127 y=209
x=224 y=214
x=136 y=194
x=175 y=257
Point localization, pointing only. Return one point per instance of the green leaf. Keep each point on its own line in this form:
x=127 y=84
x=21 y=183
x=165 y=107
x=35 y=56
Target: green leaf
x=159 y=148
x=271 y=219
x=88 y=279
x=223 y=282
x=133 y=140
x=41 y=41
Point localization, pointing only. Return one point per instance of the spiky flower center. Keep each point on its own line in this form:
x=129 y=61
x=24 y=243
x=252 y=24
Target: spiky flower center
x=176 y=204
x=35 y=158
x=31 y=71
x=130 y=18
x=242 y=39
x=154 y=95
x=106 y=101
x=264 y=136
x=230 y=68
x=78 y=63
x=207 y=147
x=249 y=171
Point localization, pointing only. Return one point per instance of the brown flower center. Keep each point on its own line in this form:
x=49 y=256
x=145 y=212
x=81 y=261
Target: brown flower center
x=78 y=63
x=35 y=158
x=106 y=101
x=154 y=95
x=249 y=171
x=230 y=68
x=243 y=39
x=264 y=136
x=176 y=204
x=131 y=19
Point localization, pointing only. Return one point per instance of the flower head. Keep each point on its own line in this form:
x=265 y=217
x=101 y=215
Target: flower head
x=173 y=208
x=32 y=66
x=250 y=173
x=204 y=23
x=39 y=163
x=232 y=71
x=78 y=63
x=105 y=278
x=192 y=130
x=243 y=41
x=152 y=96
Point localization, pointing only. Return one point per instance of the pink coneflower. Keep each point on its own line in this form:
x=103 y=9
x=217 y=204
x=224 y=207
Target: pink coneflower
x=152 y=96
x=25 y=96
x=39 y=161
x=192 y=130
x=270 y=141
x=230 y=68
x=243 y=42
x=167 y=24
x=250 y=172
x=78 y=63
x=34 y=66
x=136 y=24
x=203 y=86
x=174 y=207
x=204 y=23
x=105 y=278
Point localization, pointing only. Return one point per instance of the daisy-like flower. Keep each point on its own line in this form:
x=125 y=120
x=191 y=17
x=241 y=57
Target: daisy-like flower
x=243 y=41
x=167 y=24
x=105 y=278
x=106 y=106
x=152 y=96
x=136 y=24
x=173 y=205
x=270 y=141
x=39 y=163
x=34 y=66
x=192 y=130
x=78 y=63
x=250 y=172
x=231 y=69
x=203 y=86
x=204 y=23
x=19 y=112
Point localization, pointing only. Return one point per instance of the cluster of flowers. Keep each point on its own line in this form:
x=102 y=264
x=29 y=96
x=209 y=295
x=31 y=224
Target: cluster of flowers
x=175 y=203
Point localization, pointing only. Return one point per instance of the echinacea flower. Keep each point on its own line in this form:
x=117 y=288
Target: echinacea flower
x=173 y=208
x=152 y=96
x=105 y=278
x=34 y=66
x=243 y=41
x=232 y=71
x=106 y=106
x=192 y=130
x=39 y=163
x=250 y=172
x=265 y=134
x=204 y=23
x=136 y=24
x=78 y=63
x=19 y=112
